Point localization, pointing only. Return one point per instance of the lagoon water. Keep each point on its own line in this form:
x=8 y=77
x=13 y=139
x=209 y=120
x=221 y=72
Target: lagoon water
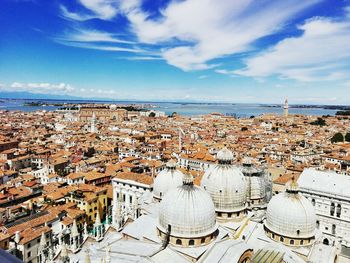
x=188 y=109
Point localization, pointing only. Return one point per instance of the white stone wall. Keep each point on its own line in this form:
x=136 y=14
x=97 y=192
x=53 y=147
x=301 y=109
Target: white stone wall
x=334 y=227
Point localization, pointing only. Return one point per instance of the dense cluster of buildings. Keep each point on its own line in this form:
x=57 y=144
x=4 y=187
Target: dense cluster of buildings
x=118 y=184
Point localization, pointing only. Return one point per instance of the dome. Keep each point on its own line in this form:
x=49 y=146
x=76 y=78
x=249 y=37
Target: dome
x=113 y=107
x=224 y=155
x=167 y=179
x=289 y=214
x=257 y=187
x=226 y=185
x=187 y=211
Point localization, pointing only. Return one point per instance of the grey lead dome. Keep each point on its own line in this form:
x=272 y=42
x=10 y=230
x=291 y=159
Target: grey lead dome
x=167 y=179
x=188 y=210
x=226 y=184
x=291 y=215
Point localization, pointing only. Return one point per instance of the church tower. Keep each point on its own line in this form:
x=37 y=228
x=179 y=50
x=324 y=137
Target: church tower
x=93 y=124
x=285 y=108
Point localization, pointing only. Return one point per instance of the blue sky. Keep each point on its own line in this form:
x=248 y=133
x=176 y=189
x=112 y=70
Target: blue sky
x=196 y=50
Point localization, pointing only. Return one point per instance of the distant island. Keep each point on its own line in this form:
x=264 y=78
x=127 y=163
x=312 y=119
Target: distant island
x=40 y=104
x=343 y=113
x=302 y=106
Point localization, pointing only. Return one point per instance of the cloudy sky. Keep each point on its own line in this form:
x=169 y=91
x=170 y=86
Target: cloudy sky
x=196 y=50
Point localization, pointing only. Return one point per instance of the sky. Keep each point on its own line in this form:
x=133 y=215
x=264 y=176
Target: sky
x=254 y=51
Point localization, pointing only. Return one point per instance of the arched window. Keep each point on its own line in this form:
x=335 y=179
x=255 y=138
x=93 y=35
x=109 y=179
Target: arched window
x=191 y=242
x=325 y=241
x=302 y=242
x=178 y=242
x=313 y=201
x=281 y=239
x=298 y=232
x=318 y=224
x=332 y=209
x=203 y=240
x=291 y=242
x=338 y=210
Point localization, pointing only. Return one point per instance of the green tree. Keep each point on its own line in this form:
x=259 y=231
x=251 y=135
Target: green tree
x=319 y=122
x=347 y=137
x=338 y=137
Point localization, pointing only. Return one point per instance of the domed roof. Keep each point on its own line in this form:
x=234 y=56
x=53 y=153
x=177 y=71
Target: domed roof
x=113 y=107
x=248 y=168
x=257 y=187
x=226 y=185
x=291 y=215
x=167 y=179
x=224 y=155
x=188 y=210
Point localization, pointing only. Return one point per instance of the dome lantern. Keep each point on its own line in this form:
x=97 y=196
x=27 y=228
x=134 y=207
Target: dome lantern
x=224 y=156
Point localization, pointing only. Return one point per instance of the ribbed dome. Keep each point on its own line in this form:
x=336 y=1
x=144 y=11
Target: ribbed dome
x=291 y=215
x=167 y=179
x=257 y=187
x=224 y=155
x=227 y=187
x=188 y=210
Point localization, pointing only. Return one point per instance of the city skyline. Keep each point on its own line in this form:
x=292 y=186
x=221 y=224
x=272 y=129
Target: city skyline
x=235 y=51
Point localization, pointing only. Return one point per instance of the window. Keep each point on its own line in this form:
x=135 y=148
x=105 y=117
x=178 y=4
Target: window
x=298 y=232
x=281 y=239
x=191 y=242
x=313 y=202
x=203 y=240
x=29 y=254
x=178 y=242
x=273 y=235
x=291 y=242
x=333 y=229
x=338 y=210
x=302 y=242
x=332 y=209
x=317 y=224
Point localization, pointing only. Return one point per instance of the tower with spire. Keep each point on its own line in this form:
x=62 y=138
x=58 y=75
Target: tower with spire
x=285 y=108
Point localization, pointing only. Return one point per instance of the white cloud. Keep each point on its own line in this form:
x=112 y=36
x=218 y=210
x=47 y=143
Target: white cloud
x=209 y=28
x=44 y=88
x=84 y=35
x=321 y=53
x=113 y=48
x=202 y=30
x=143 y=58
x=103 y=9
x=74 y=16
x=98 y=40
